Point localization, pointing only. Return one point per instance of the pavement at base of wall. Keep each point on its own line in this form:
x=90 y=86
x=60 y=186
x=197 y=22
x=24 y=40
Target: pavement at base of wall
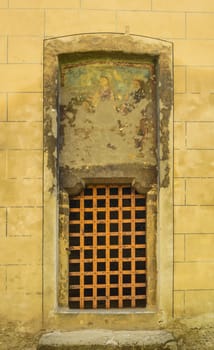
x=194 y=338
x=14 y=337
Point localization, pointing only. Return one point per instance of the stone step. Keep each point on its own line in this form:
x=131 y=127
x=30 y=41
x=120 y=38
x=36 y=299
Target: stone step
x=109 y=340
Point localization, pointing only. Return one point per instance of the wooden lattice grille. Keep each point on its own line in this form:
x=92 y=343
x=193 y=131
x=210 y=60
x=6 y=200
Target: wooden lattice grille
x=107 y=238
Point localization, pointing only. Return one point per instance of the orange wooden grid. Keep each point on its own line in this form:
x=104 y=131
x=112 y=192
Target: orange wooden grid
x=107 y=264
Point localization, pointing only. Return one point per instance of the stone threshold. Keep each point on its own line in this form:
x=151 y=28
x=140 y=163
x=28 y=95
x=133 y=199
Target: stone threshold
x=106 y=339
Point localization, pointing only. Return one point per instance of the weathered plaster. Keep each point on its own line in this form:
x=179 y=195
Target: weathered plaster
x=107 y=113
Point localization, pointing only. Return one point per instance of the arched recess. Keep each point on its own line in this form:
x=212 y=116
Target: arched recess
x=147 y=165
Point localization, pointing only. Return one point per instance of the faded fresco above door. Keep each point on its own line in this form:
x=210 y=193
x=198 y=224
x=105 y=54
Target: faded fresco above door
x=107 y=112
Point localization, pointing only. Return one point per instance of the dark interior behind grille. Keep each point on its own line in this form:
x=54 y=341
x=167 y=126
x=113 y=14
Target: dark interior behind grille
x=107 y=238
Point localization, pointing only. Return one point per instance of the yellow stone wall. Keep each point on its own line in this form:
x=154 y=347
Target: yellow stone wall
x=23 y=26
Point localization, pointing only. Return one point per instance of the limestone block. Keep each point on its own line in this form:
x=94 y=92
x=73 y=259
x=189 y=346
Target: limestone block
x=117 y=4
x=179 y=305
x=194 y=219
x=24 y=49
x=21 y=135
x=183 y=5
x=179 y=135
x=24 y=222
x=200 y=135
x=194 y=163
x=24 y=164
x=25 y=278
x=200 y=79
x=22 y=308
x=200 y=247
x=200 y=26
x=195 y=275
x=3 y=107
x=194 y=52
x=3 y=49
x=21 y=250
x=199 y=302
x=21 y=22
x=179 y=79
x=59 y=22
x=179 y=253
x=3 y=278
x=24 y=107
x=25 y=192
x=3 y=162
x=2 y=222
x=179 y=191
x=3 y=3
x=21 y=77
x=194 y=107
x=200 y=191
x=155 y=24
x=44 y=4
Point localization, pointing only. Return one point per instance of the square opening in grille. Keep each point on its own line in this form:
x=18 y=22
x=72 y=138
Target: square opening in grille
x=107 y=243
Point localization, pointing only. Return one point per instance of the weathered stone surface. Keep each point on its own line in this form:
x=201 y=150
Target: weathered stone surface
x=102 y=339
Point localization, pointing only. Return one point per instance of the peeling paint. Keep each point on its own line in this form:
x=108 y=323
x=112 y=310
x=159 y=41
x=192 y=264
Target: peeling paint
x=50 y=142
x=94 y=91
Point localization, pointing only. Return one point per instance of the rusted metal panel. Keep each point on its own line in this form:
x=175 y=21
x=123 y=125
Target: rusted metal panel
x=107 y=235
